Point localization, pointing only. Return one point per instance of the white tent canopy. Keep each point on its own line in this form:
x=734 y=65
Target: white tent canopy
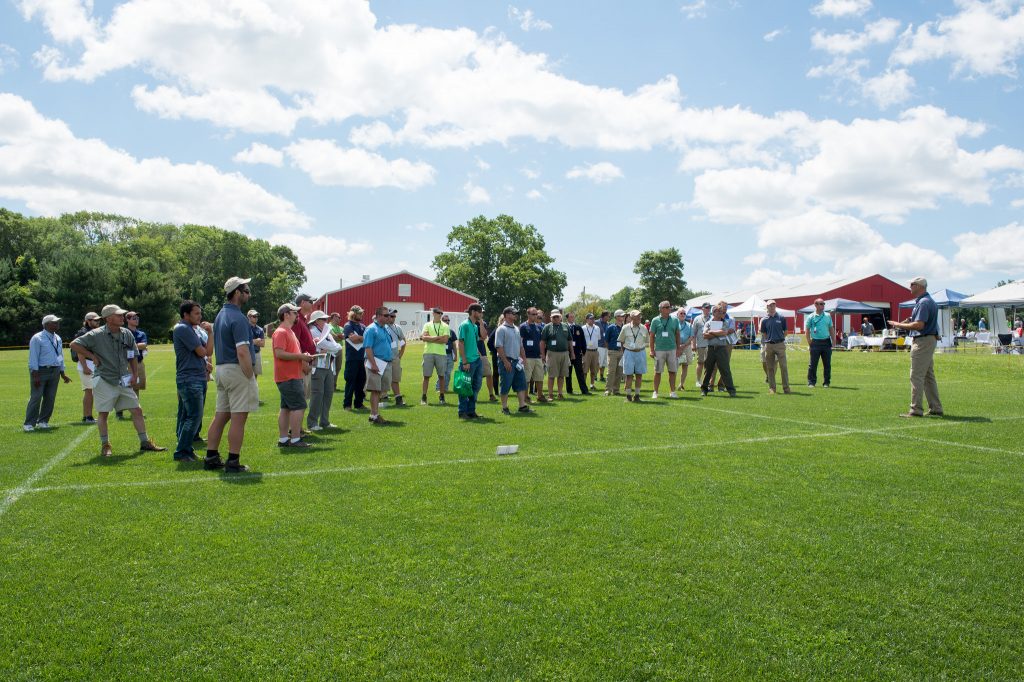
x=1007 y=296
x=755 y=307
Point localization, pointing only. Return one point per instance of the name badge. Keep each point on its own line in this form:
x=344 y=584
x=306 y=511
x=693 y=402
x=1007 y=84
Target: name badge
x=529 y=342
x=554 y=342
x=665 y=334
x=394 y=344
x=126 y=380
x=131 y=354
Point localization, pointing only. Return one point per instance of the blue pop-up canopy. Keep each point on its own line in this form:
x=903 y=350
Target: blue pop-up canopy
x=944 y=298
x=843 y=306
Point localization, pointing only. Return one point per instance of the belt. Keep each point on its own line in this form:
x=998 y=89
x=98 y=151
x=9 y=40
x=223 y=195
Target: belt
x=772 y=343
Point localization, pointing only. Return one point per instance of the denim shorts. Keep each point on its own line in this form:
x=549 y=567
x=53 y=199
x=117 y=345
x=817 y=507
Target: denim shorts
x=514 y=380
x=634 y=362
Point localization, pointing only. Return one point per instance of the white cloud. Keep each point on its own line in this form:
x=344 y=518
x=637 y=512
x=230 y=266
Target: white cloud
x=328 y=164
x=599 y=173
x=475 y=194
x=43 y=164
x=1017 y=203
x=695 y=10
x=327 y=259
x=1001 y=249
x=772 y=35
x=878 y=168
x=526 y=19
x=841 y=69
x=534 y=195
x=848 y=42
x=419 y=227
x=68 y=21
x=755 y=259
x=8 y=58
x=841 y=8
x=985 y=38
x=889 y=88
x=482 y=165
x=252 y=111
x=530 y=173
x=258 y=152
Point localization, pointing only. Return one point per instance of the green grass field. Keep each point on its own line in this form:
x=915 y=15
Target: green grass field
x=806 y=536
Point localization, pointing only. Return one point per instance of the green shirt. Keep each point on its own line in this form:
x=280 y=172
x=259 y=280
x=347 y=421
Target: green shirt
x=665 y=332
x=113 y=350
x=335 y=330
x=469 y=334
x=556 y=336
x=435 y=329
x=820 y=326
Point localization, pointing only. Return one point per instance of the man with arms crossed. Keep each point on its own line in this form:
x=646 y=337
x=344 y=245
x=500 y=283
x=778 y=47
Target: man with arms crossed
x=773 y=342
x=923 y=328
x=611 y=338
x=665 y=347
x=530 y=332
x=700 y=344
x=435 y=358
x=556 y=349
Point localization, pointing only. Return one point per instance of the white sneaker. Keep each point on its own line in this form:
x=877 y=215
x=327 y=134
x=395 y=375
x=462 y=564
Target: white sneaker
x=28 y=427
x=697 y=384
x=316 y=428
x=673 y=395
x=654 y=395
x=42 y=425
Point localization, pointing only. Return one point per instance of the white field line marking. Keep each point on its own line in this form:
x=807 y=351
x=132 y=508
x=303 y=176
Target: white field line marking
x=466 y=460
x=14 y=494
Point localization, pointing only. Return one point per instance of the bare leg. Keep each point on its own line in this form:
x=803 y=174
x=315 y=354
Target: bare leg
x=236 y=434
x=672 y=382
x=295 y=422
x=102 y=424
x=87 y=403
x=216 y=430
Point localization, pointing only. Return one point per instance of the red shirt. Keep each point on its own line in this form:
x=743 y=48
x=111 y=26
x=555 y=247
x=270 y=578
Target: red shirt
x=286 y=369
x=301 y=331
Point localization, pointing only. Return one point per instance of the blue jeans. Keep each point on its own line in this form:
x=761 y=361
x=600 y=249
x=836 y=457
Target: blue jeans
x=467 y=405
x=191 y=399
x=820 y=348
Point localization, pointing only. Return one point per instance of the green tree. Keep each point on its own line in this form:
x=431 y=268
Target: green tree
x=660 y=278
x=588 y=303
x=501 y=262
x=621 y=299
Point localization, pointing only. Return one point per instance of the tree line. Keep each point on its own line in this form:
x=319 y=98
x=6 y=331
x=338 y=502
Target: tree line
x=78 y=262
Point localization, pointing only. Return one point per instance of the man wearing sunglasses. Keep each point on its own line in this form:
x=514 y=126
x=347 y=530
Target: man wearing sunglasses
x=819 y=338
x=131 y=321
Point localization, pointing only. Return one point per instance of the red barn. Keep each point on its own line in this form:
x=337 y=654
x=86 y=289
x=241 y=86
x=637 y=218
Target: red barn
x=404 y=291
x=875 y=290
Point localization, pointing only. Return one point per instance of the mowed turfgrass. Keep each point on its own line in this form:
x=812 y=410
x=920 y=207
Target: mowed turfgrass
x=807 y=536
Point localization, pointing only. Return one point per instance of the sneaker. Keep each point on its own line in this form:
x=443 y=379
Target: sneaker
x=150 y=446
x=506 y=411
x=399 y=401
x=377 y=420
x=233 y=466
x=330 y=426
x=88 y=420
x=908 y=415
x=771 y=391
x=316 y=428
x=703 y=394
x=654 y=395
x=28 y=427
x=936 y=414
x=42 y=425
x=493 y=398
x=473 y=415
x=296 y=444
x=722 y=389
x=561 y=396
x=542 y=399
x=463 y=416
x=106 y=450
x=593 y=387
x=786 y=391
x=423 y=399
x=607 y=392
x=629 y=398
x=440 y=399
x=732 y=394
x=810 y=385
x=824 y=385
x=186 y=458
x=636 y=397
x=214 y=462
x=525 y=409
x=673 y=394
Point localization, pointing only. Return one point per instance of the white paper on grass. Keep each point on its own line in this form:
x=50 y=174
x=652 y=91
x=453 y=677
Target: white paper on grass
x=508 y=449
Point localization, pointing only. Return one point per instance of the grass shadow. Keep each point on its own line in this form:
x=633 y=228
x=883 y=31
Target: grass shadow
x=108 y=461
x=965 y=419
x=241 y=478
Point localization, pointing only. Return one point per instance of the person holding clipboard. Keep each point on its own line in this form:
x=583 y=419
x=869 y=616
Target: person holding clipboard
x=377 y=346
x=717 y=334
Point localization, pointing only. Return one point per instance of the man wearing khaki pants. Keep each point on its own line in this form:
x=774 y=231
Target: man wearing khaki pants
x=773 y=344
x=924 y=330
x=611 y=337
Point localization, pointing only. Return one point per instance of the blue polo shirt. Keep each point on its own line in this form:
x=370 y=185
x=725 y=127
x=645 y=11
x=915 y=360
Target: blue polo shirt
x=685 y=332
x=231 y=329
x=378 y=340
x=531 y=332
x=140 y=337
x=820 y=327
x=257 y=333
x=773 y=329
x=190 y=367
x=611 y=336
x=603 y=343
x=925 y=311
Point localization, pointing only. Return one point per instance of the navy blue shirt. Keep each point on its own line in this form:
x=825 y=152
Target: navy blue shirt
x=611 y=336
x=230 y=330
x=257 y=333
x=925 y=311
x=140 y=337
x=773 y=329
x=531 y=332
x=190 y=367
x=452 y=338
x=351 y=354
x=603 y=343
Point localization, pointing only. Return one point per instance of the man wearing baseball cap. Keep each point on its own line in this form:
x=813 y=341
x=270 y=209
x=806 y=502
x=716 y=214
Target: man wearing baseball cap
x=289 y=368
x=114 y=353
x=556 y=349
x=511 y=360
x=700 y=344
x=924 y=330
x=259 y=339
x=773 y=342
x=633 y=338
x=435 y=359
x=611 y=337
x=398 y=345
x=237 y=391
x=46 y=365
x=85 y=368
x=355 y=370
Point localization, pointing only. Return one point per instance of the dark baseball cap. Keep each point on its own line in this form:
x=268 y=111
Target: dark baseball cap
x=303 y=297
x=510 y=309
x=435 y=309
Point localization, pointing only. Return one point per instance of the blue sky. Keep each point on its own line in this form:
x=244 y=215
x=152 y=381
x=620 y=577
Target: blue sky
x=769 y=142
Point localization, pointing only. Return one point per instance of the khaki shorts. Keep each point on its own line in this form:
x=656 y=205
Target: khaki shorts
x=257 y=364
x=665 y=359
x=379 y=383
x=235 y=392
x=558 y=363
x=687 y=356
x=486 y=368
x=141 y=385
x=110 y=397
x=86 y=379
x=534 y=369
x=702 y=354
x=395 y=367
x=433 y=362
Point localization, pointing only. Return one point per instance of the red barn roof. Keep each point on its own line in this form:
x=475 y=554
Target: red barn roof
x=400 y=288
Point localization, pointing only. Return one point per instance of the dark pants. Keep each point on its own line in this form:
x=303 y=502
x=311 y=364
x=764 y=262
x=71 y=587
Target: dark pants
x=191 y=401
x=718 y=358
x=467 y=404
x=820 y=348
x=42 y=397
x=321 y=396
x=581 y=378
x=199 y=423
x=355 y=383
